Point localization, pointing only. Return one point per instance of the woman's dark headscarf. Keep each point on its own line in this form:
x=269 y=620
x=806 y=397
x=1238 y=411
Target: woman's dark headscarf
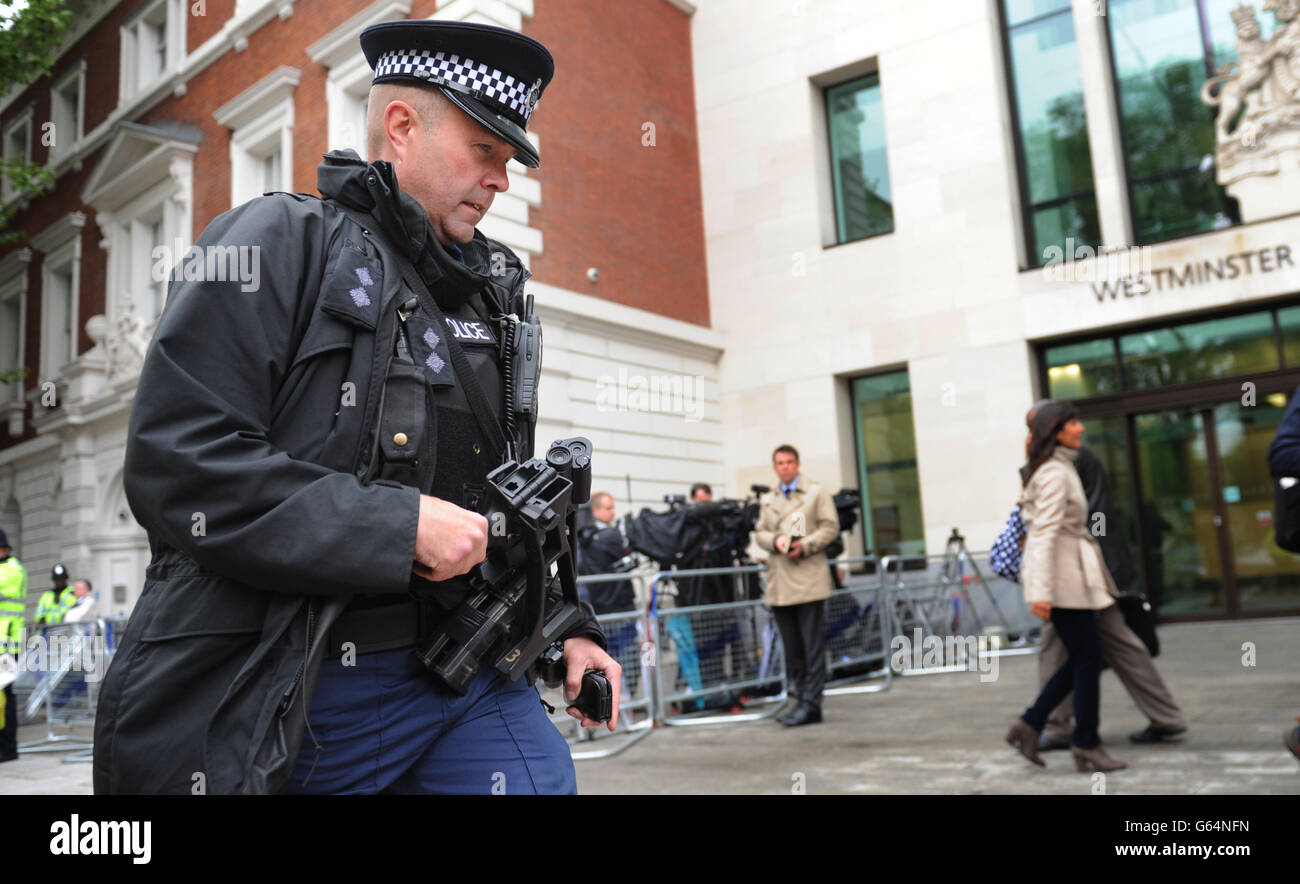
x=1048 y=421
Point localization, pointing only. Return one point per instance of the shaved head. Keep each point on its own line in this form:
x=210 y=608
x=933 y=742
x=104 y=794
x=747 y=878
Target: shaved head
x=428 y=103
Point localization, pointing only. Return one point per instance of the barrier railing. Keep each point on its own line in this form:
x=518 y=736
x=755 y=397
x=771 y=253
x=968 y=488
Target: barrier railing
x=709 y=657
x=626 y=637
x=950 y=598
x=67 y=660
x=681 y=665
x=858 y=633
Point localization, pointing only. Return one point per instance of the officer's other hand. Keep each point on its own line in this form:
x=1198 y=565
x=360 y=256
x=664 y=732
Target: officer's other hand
x=581 y=654
x=449 y=540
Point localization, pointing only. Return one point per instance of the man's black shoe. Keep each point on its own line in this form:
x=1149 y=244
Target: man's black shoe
x=1155 y=734
x=790 y=708
x=803 y=715
x=10 y=756
x=1051 y=744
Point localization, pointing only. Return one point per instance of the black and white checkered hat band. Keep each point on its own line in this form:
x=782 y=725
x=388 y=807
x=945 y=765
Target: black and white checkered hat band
x=454 y=70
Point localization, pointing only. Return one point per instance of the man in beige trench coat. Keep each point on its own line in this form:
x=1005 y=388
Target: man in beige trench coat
x=796 y=522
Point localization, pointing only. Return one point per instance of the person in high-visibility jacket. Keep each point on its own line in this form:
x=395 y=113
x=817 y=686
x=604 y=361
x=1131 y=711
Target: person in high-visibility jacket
x=13 y=605
x=54 y=603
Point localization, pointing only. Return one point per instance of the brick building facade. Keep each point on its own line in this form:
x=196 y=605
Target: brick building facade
x=160 y=115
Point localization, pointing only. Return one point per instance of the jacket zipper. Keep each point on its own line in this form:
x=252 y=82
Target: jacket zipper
x=287 y=699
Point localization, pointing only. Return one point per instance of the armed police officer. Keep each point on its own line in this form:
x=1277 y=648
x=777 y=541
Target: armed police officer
x=310 y=461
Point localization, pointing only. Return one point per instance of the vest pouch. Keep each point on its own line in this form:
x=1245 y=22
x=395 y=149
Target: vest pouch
x=404 y=431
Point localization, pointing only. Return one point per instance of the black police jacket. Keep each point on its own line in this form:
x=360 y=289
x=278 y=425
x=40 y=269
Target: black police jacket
x=246 y=462
x=599 y=549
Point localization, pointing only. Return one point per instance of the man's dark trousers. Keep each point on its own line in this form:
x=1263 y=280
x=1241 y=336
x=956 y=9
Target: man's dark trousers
x=9 y=733
x=803 y=638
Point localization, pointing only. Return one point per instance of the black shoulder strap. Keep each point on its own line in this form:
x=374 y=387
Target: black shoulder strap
x=478 y=400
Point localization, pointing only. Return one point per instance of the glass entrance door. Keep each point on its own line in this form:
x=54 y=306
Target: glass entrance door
x=1267 y=577
x=1207 y=510
x=1184 y=566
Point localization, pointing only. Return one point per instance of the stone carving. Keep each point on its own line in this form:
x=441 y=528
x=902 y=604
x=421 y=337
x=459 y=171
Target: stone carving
x=125 y=343
x=1257 y=134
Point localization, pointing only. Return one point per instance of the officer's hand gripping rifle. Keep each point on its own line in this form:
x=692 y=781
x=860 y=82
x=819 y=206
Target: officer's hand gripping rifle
x=531 y=521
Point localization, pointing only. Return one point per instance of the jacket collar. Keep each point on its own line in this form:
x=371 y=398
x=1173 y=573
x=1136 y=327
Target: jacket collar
x=1065 y=454
x=372 y=187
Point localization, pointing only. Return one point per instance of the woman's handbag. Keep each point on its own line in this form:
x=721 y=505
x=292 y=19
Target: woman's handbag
x=1139 y=617
x=1007 y=550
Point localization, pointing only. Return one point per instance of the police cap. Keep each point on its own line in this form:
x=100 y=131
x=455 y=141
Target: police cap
x=493 y=74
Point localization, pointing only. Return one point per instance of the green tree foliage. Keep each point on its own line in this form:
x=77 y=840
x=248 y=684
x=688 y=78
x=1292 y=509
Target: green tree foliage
x=29 y=36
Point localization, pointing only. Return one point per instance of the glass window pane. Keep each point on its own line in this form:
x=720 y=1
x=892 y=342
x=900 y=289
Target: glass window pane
x=1214 y=349
x=271 y=171
x=1116 y=533
x=1223 y=30
x=1021 y=10
x=1160 y=65
x=1179 y=206
x=859 y=165
x=1053 y=132
x=1075 y=371
x=887 y=469
x=1074 y=220
x=1289 y=320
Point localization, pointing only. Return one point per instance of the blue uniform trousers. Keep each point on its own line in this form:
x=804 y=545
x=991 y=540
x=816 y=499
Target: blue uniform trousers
x=384 y=725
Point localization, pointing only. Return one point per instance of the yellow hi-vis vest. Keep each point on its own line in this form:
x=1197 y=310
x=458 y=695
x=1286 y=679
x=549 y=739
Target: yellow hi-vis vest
x=13 y=604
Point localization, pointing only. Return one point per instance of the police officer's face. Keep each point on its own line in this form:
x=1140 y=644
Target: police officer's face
x=454 y=168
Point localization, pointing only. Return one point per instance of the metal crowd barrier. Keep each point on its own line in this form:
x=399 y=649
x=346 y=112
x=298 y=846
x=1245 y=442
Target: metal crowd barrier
x=67 y=661
x=959 y=600
x=627 y=640
x=858 y=633
x=708 y=657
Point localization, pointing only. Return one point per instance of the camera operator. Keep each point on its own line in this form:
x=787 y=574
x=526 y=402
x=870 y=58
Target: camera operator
x=603 y=549
x=701 y=493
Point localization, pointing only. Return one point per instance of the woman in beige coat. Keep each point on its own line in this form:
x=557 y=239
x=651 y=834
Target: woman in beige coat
x=1065 y=580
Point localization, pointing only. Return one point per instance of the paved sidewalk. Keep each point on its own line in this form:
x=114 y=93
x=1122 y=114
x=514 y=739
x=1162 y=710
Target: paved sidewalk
x=943 y=734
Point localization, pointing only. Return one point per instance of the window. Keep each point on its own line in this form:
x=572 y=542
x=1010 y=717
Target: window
x=67 y=111
x=1237 y=345
x=60 y=292
x=150 y=268
x=348 y=84
x=887 y=470
x=1059 y=204
x=271 y=170
x=859 y=168
x=59 y=312
x=153 y=42
x=1193 y=351
x=1164 y=51
x=1078 y=370
x=17 y=146
x=261 y=139
x=142 y=191
x=13 y=318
